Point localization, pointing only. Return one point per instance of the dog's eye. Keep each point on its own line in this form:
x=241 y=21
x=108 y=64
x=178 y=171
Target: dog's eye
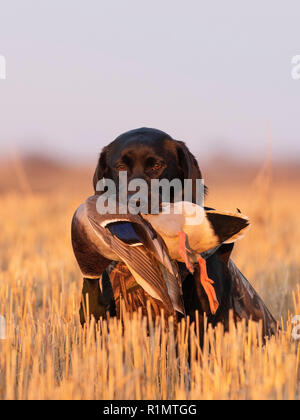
x=157 y=166
x=121 y=167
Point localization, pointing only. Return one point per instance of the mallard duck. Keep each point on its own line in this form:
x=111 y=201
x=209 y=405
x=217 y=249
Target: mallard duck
x=189 y=231
x=130 y=239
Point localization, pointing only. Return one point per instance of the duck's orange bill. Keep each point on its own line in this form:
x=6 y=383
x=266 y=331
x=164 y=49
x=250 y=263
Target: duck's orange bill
x=207 y=284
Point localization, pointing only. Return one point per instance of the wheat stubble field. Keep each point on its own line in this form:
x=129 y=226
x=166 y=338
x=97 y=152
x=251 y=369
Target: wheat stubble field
x=46 y=353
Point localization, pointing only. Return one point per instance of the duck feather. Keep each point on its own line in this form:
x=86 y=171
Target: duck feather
x=146 y=256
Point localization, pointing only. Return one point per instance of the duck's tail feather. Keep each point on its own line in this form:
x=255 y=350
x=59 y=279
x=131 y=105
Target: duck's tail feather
x=228 y=227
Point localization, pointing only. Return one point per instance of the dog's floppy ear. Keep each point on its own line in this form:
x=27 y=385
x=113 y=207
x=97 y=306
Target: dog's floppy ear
x=102 y=167
x=188 y=162
x=189 y=166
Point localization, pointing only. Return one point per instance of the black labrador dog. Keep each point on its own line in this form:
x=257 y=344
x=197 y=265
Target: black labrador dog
x=148 y=154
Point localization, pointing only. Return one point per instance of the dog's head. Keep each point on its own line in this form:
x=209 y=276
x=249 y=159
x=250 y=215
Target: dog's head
x=147 y=153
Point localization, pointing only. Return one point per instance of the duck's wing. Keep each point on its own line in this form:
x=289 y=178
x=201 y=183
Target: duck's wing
x=155 y=245
x=228 y=227
x=144 y=254
x=152 y=275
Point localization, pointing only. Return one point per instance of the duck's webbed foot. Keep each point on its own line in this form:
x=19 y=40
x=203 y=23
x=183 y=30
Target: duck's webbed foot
x=183 y=252
x=207 y=285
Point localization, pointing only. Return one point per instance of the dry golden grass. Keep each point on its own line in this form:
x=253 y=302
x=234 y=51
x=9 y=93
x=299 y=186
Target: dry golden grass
x=47 y=355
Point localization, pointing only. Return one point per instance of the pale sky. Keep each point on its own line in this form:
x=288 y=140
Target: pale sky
x=215 y=74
